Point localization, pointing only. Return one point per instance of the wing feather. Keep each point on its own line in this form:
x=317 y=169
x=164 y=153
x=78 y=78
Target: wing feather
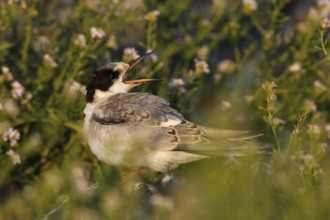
x=171 y=132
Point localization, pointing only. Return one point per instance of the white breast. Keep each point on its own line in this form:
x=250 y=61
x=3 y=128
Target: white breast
x=110 y=143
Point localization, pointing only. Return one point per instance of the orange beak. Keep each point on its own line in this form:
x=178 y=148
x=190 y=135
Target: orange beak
x=132 y=64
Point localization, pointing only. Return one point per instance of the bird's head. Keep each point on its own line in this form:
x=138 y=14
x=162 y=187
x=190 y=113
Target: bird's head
x=110 y=79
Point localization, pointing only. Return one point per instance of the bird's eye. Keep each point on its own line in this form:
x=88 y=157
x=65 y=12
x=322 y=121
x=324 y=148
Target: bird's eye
x=114 y=75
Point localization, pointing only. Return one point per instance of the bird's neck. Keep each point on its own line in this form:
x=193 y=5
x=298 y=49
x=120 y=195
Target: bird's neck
x=96 y=95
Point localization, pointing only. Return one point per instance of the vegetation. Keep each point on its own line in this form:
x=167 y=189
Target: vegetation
x=241 y=65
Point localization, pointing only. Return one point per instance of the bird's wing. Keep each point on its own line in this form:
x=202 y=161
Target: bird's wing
x=143 y=108
x=170 y=131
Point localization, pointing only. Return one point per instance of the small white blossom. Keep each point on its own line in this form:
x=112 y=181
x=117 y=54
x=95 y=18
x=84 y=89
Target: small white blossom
x=80 y=40
x=278 y=121
x=226 y=66
x=48 y=59
x=327 y=129
x=309 y=105
x=112 y=42
x=131 y=53
x=152 y=56
x=268 y=86
x=10 y=107
x=296 y=131
x=319 y=86
x=27 y=97
x=179 y=84
x=323 y=7
x=249 y=98
x=15 y=157
x=17 y=91
x=326 y=23
x=97 y=32
x=80 y=176
x=201 y=67
x=41 y=43
x=313 y=130
x=5 y=69
x=308 y=162
x=74 y=88
x=152 y=16
x=226 y=105
x=250 y=5
x=296 y=67
x=11 y=135
x=7 y=76
x=202 y=52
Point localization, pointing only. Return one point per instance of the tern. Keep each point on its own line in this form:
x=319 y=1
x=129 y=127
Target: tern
x=141 y=130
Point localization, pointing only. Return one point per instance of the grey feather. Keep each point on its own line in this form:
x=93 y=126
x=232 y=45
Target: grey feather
x=140 y=111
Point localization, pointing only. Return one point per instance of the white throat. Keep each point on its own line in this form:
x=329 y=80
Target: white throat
x=117 y=87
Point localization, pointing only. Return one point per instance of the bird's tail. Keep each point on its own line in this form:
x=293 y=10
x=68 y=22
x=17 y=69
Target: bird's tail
x=218 y=142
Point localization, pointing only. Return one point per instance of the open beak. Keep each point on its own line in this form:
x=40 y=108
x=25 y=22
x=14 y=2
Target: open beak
x=132 y=64
x=140 y=81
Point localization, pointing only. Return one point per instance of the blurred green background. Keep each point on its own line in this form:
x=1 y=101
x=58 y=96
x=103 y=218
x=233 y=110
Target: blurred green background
x=259 y=65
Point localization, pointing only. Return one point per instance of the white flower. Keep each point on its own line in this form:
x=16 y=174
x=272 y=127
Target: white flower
x=313 y=130
x=152 y=16
x=112 y=42
x=152 y=56
x=27 y=97
x=278 y=121
x=10 y=107
x=201 y=67
x=97 y=32
x=268 y=86
x=325 y=23
x=319 y=86
x=250 y=5
x=226 y=105
x=309 y=105
x=130 y=53
x=48 y=59
x=327 y=129
x=296 y=67
x=5 y=69
x=15 y=157
x=74 y=88
x=80 y=40
x=12 y=135
x=17 y=91
x=249 y=98
x=79 y=175
x=179 y=84
x=308 y=162
x=202 y=52
x=7 y=76
x=41 y=43
x=226 y=66
x=324 y=7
